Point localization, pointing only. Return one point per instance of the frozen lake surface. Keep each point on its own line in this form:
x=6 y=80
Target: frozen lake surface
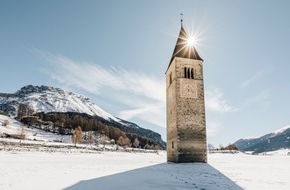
x=131 y=171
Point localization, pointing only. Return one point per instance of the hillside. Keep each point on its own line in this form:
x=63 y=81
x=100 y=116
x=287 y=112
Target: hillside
x=50 y=99
x=279 y=139
x=13 y=127
x=44 y=100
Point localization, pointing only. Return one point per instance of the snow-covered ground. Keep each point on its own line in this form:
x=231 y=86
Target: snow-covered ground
x=14 y=127
x=131 y=171
x=255 y=171
x=44 y=164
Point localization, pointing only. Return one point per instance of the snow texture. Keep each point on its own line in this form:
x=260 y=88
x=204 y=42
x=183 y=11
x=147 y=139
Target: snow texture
x=50 y=99
x=269 y=142
x=279 y=131
x=77 y=168
x=14 y=126
x=131 y=171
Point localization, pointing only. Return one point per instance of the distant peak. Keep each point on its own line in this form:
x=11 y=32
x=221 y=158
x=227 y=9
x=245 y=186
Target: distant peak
x=34 y=89
x=282 y=130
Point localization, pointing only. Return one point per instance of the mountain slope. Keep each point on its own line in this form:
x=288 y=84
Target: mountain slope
x=279 y=139
x=14 y=127
x=49 y=99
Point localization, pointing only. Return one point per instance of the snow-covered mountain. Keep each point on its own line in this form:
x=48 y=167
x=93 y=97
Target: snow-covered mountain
x=280 y=139
x=49 y=99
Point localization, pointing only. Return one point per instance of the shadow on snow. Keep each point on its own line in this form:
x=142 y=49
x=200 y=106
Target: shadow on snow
x=167 y=176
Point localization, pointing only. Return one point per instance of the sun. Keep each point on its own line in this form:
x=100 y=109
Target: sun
x=191 y=41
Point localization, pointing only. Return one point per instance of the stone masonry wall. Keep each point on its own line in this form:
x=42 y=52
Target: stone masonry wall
x=186 y=125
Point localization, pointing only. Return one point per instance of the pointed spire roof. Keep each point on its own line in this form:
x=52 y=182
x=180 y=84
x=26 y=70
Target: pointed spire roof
x=182 y=49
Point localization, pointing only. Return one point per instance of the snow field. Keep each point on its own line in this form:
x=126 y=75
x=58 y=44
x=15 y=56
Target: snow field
x=14 y=127
x=44 y=164
x=255 y=171
x=123 y=170
x=38 y=170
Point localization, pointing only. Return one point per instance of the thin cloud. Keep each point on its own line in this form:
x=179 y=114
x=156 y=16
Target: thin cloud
x=151 y=113
x=143 y=95
x=262 y=99
x=215 y=102
x=251 y=80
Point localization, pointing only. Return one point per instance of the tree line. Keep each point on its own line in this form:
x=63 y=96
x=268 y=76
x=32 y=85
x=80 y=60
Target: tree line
x=70 y=122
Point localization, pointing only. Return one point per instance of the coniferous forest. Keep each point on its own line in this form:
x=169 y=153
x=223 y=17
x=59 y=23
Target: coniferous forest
x=66 y=123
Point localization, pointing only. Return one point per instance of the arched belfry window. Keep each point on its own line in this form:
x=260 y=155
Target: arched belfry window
x=192 y=74
x=188 y=73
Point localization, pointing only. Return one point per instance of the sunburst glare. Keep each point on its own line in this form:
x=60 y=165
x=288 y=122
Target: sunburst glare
x=194 y=37
x=191 y=41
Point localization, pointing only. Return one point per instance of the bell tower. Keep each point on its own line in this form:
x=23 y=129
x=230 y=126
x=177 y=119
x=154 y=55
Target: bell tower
x=185 y=107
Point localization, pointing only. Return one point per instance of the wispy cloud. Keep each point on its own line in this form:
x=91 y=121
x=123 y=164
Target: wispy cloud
x=252 y=79
x=262 y=99
x=143 y=95
x=215 y=101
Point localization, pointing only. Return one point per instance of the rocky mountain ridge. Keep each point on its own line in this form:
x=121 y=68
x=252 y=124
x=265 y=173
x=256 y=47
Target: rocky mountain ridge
x=279 y=139
x=49 y=99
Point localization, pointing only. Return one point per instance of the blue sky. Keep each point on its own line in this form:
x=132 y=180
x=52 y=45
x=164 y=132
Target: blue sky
x=116 y=53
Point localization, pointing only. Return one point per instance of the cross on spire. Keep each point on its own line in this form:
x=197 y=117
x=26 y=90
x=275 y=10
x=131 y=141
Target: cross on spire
x=181 y=15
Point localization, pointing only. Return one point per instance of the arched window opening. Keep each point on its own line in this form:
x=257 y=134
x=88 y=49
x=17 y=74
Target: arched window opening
x=172 y=144
x=192 y=74
x=170 y=78
x=189 y=73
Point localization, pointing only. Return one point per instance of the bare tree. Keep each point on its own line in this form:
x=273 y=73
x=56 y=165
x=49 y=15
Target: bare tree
x=121 y=141
x=136 y=143
x=104 y=140
x=210 y=147
x=24 y=110
x=21 y=133
x=97 y=136
x=124 y=141
x=128 y=142
x=77 y=136
x=90 y=137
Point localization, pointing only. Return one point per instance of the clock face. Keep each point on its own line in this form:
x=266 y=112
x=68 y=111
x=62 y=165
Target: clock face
x=188 y=89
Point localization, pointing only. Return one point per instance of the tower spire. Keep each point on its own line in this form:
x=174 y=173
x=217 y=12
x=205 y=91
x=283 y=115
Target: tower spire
x=181 y=49
x=181 y=20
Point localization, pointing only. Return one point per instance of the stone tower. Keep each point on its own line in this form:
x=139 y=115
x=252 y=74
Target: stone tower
x=186 y=126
